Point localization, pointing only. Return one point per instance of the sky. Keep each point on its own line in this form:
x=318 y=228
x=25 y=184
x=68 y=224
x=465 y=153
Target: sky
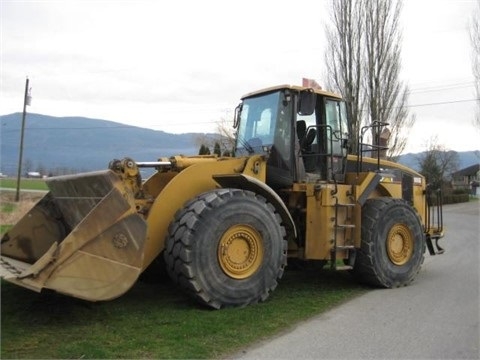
x=182 y=66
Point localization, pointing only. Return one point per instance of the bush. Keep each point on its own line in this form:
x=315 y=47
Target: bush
x=455 y=198
x=460 y=191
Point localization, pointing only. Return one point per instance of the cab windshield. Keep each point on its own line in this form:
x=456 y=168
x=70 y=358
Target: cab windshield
x=258 y=118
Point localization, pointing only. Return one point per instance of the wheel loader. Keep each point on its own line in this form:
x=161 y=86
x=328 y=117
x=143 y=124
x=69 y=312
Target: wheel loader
x=226 y=227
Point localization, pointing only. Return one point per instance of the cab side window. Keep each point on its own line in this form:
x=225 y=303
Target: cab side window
x=334 y=126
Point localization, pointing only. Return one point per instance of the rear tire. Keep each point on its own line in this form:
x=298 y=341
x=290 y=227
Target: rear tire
x=392 y=246
x=227 y=248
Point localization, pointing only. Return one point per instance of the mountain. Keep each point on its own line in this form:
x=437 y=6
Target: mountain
x=465 y=159
x=83 y=144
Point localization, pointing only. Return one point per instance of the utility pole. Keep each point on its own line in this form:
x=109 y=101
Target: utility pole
x=26 y=101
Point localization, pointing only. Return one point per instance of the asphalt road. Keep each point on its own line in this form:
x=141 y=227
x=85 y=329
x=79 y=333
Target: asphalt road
x=437 y=317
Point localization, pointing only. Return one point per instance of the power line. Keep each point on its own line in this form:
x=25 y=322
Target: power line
x=440 y=83
x=442 y=87
x=112 y=127
x=443 y=102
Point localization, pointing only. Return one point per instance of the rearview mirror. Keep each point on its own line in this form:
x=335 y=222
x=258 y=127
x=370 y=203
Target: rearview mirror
x=238 y=114
x=306 y=102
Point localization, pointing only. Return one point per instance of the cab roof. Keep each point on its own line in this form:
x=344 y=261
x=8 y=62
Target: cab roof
x=293 y=88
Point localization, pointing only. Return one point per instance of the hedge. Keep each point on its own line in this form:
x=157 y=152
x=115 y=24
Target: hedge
x=455 y=198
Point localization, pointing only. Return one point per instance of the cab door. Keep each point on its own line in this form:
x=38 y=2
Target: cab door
x=323 y=137
x=336 y=137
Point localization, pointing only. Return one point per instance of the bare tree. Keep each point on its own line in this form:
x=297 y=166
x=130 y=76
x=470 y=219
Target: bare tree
x=203 y=140
x=343 y=59
x=363 y=63
x=226 y=135
x=437 y=163
x=475 y=39
x=386 y=95
x=27 y=165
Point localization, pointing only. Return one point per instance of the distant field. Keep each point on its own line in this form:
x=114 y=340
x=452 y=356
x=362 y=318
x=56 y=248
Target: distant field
x=27 y=184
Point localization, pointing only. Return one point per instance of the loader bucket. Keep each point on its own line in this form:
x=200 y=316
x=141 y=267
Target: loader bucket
x=83 y=239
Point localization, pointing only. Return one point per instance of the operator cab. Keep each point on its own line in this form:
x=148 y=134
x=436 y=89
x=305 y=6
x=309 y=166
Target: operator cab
x=302 y=131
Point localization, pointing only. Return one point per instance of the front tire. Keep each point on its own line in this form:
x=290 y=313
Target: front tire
x=227 y=248
x=392 y=246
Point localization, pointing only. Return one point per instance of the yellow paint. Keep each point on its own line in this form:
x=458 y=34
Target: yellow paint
x=188 y=183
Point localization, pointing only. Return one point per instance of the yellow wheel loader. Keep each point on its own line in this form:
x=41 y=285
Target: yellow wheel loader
x=226 y=227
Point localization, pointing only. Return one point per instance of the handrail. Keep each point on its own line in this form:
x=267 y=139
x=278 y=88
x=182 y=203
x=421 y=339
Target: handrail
x=434 y=210
x=364 y=147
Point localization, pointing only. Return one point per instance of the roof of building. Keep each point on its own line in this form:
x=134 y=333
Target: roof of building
x=471 y=170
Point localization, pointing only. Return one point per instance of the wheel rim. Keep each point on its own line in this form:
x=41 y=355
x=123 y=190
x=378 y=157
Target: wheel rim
x=399 y=244
x=240 y=251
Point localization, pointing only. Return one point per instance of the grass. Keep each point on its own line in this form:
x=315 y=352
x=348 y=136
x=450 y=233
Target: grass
x=11 y=211
x=156 y=320
x=7 y=207
x=4 y=228
x=153 y=320
x=25 y=184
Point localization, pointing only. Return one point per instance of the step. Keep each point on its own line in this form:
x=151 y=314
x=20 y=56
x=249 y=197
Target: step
x=345 y=226
x=345 y=205
x=343 y=267
x=344 y=247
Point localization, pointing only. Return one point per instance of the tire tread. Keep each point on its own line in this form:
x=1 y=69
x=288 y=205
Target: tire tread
x=180 y=239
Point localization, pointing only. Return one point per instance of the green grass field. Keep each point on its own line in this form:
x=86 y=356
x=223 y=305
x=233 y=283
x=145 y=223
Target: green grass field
x=156 y=320
x=26 y=184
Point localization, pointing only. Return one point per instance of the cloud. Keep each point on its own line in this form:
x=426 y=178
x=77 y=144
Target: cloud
x=182 y=66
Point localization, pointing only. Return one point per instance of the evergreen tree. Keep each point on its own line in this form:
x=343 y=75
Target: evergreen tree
x=217 y=150
x=204 y=150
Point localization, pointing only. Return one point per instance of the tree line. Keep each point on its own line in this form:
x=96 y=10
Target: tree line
x=217 y=150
